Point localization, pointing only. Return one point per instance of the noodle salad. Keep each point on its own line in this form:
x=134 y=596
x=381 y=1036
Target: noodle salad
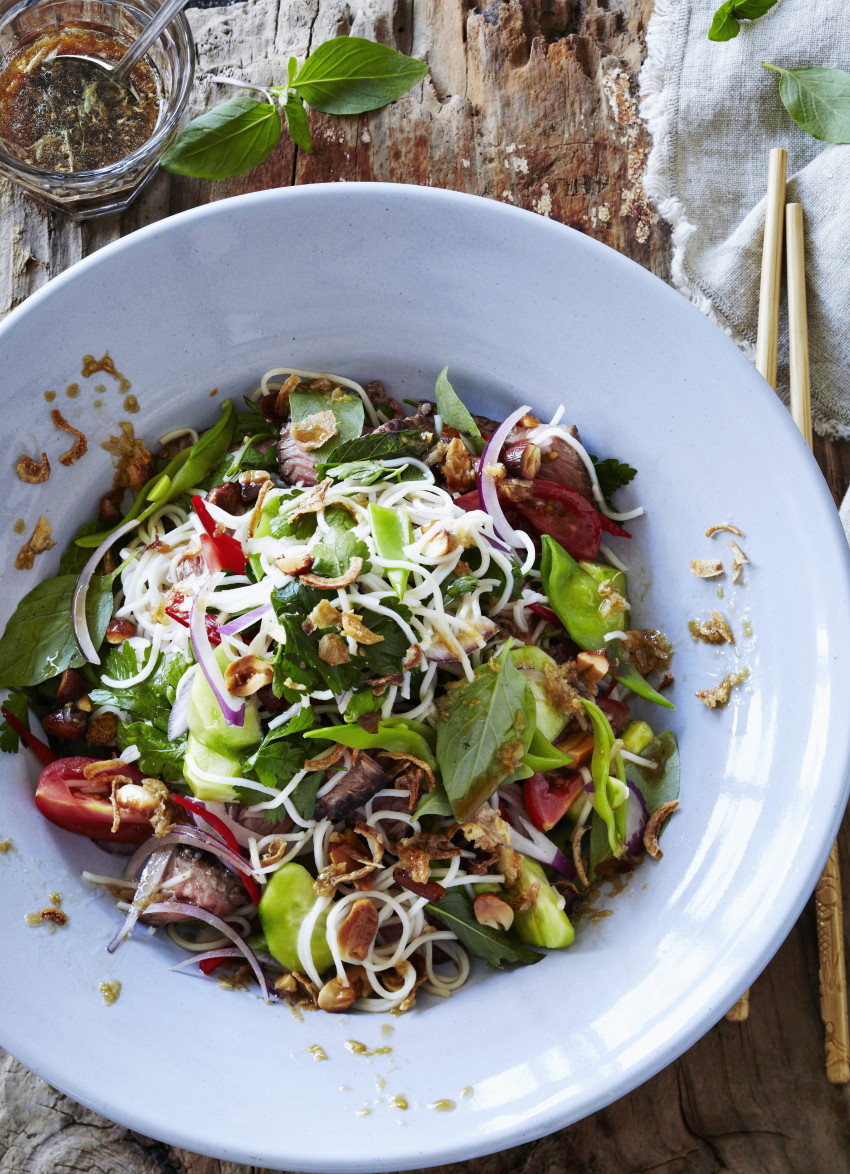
x=349 y=681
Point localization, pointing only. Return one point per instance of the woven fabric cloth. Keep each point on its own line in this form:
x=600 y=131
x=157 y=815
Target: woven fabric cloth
x=714 y=114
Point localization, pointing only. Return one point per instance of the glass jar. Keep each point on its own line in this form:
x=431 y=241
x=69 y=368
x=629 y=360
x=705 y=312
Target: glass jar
x=83 y=194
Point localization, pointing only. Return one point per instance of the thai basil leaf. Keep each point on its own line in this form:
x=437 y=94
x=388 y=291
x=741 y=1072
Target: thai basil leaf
x=818 y=99
x=454 y=414
x=436 y=802
x=74 y=558
x=493 y=945
x=612 y=474
x=347 y=409
x=661 y=785
x=725 y=26
x=18 y=705
x=485 y=728
x=350 y=75
x=228 y=140
x=296 y=123
x=380 y=446
x=39 y=640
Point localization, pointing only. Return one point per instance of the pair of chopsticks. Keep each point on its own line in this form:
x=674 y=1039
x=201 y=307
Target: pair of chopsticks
x=830 y=918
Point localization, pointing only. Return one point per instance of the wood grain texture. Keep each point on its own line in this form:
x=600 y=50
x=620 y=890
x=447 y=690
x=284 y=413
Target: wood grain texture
x=531 y=102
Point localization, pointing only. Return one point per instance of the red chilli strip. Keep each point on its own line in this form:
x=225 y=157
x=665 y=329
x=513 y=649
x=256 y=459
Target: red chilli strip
x=612 y=527
x=226 y=834
x=208 y=965
x=173 y=610
x=545 y=613
x=229 y=550
x=39 y=748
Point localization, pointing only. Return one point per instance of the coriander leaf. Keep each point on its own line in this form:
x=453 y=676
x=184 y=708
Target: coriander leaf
x=228 y=140
x=295 y=599
x=460 y=586
x=18 y=705
x=350 y=75
x=39 y=640
x=454 y=414
x=386 y=657
x=493 y=945
x=347 y=409
x=332 y=556
x=368 y=472
x=612 y=474
x=818 y=100
x=254 y=423
x=161 y=756
x=380 y=446
x=296 y=123
x=360 y=702
x=485 y=728
x=299 y=661
x=282 y=752
x=725 y=25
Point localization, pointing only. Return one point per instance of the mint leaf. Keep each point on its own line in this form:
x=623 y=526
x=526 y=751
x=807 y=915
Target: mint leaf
x=228 y=140
x=332 y=556
x=350 y=75
x=296 y=123
x=380 y=446
x=818 y=100
x=612 y=474
x=347 y=409
x=454 y=413
x=493 y=945
x=725 y=24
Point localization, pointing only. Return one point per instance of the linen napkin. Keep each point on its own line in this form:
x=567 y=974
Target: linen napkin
x=714 y=114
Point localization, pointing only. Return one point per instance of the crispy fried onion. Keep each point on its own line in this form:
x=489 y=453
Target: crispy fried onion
x=39 y=542
x=705 y=568
x=311 y=501
x=117 y=782
x=723 y=526
x=491 y=837
x=739 y=561
x=274 y=851
x=322 y=582
x=352 y=625
x=351 y=862
x=653 y=827
x=328 y=759
x=313 y=431
x=151 y=797
x=381 y=684
x=717 y=697
x=430 y=890
x=407 y=773
x=577 y=860
x=394 y=980
x=265 y=488
x=323 y=615
x=416 y=852
x=80 y=448
x=33 y=472
x=713 y=631
x=297 y=989
x=412 y=658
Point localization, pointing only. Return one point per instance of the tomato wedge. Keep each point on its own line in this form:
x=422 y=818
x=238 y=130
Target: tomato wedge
x=80 y=805
x=220 y=548
x=177 y=612
x=548 y=799
x=565 y=515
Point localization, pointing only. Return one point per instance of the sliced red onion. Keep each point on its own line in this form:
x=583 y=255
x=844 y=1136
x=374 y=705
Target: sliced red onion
x=194 y=837
x=242 y=622
x=233 y=715
x=147 y=887
x=542 y=849
x=636 y=817
x=78 y=602
x=195 y=913
x=178 y=719
x=487 y=490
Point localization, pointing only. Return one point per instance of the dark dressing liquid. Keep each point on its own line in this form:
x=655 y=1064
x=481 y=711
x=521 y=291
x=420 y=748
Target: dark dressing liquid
x=66 y=115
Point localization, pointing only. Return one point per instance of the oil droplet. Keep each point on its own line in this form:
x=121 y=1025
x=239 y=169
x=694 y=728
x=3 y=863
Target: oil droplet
x=720 y=591
x=295 y=1012
x=444 y=1106
x=5 y=846
x=131 y=404
x=601 y=914
x=364 y=1112
x=33 y=919
x=380 y=1084
x=50 y=396
x=19 y=526
x=110 y=991
x=387 y=1029
x=317 y=1052
x=358 y=1049
x=100 y=388
x=56 y=899
x=97 y=403
x=345 y=1088
x=72 y=390
x=467 y=1092
x=400 y=1102
x=748 y=631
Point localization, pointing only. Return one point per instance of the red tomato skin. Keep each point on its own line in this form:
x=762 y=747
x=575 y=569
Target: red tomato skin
x=548 y=799
x=58 y=800
x=565 y=516
x=617 y=713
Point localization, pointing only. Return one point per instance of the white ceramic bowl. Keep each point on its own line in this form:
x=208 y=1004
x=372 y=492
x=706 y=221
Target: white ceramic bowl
x=393 y=282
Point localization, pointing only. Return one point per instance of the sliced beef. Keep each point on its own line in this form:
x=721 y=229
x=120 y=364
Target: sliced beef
x=356 y=787
x=195 y=878
x=297 y=465
x=256 y=822
x=568 y=469
x=384 y=403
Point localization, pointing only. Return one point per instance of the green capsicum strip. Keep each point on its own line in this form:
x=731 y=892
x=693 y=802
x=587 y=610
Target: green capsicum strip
x=392 y=531
x=182 y=473
x=574 y=597
x=600 y=768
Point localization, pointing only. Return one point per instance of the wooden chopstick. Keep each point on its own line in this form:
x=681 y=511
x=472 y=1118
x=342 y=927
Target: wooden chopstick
x=830 y=916
x=767 y=340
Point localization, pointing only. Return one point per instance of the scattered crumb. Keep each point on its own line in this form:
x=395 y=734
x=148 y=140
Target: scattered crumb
x=748 y=630
x=214 y=391
x=727 y=526
x=100 y=388
x=80 y=447
x=110 y=991
x=739 y=561
x=705 y=568
x=6 y=846
x=666 y=681
x=97 y=403
x=73 y=390
x=55 y=916
x=39 y=542
x=91 y=365
x=317 y=1052
x=717 y=697
x=50 y=396
x=713 y=631
x=131 y=404
x=19 y=526
x=56 y=899
x=33 y=472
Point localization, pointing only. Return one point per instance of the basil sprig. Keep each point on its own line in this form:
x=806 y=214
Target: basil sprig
x=347 y=75
x=818 y=99
x=725 y=24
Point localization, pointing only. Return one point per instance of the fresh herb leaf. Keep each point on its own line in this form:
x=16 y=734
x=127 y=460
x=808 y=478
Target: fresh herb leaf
x=39 y=640
x=294 y=599
x=347 y=409
x=369 y=472
x=818 y=100
x=18 y=705
x=228 y=140
x=435 y=802
x=661 y=785
x=297 y=124
x=74 y=559
x=298 y=660
x=161 y=756
x=485 y=728
x=350 y=75
x=460 y=586
x=386 y=657
x=454 y=413
x=332 y=556
x=392 y=734
x=380 y=446
x=304 y=796
x=725 y=24
x=612 y=474
x=493 y=945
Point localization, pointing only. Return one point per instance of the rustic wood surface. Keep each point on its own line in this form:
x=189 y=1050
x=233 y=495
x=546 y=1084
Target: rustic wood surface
x=532 y=102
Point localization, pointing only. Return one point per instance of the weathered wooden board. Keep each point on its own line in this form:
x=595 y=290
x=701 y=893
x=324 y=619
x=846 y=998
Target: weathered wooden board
x=531 y=102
